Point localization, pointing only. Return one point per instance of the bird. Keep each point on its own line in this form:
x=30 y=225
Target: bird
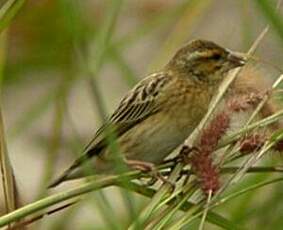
x=160 y=112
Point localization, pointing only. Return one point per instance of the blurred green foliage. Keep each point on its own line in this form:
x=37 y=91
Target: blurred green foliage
x=66 y=41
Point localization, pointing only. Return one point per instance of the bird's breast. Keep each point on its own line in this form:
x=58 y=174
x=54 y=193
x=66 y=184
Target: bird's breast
x=157 y=136
x=187 y=105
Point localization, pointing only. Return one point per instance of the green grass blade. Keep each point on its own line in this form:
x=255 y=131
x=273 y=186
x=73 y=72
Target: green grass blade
x=268 y=9
x=9 y=11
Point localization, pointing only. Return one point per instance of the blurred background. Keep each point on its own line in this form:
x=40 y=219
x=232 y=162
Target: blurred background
x=67 y=63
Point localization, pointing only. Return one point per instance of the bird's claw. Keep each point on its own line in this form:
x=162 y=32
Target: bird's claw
x=150 y=168
x=185 y=152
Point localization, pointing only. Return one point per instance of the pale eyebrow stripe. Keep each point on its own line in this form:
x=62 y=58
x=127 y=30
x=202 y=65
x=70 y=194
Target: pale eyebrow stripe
x=201 y=54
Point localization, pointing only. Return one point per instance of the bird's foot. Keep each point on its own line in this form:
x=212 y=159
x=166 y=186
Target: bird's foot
x=184 y=154
x=150 y=168
x=182 y=157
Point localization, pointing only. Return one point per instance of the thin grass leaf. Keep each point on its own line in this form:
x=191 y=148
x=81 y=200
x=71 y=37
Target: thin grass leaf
x=9 y=185
x=256 y=169
x=259 y=124
x=44 y=203
x=265 y=99
x=242 y=209
x=153 y=205
x=245 y=190
x=8 y=11
x=273 y=202
x=20 y=225
x=3 y=44
x=272 y=15
x=126 y=71
x=67 y=216
x=66 y=195
x=212 y=217
x=7 y=175
x=53 y=146
x=31 y=115
x=204 y=215
x=102 y=41
x=256 y=156
x=151 y=24
x=193 y=12
x=246 y=26
x=173 y=209
x=102 y=37
x=246 y=165
x=185 y=220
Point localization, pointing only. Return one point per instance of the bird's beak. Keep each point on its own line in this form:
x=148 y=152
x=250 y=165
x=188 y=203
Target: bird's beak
x=237 y=59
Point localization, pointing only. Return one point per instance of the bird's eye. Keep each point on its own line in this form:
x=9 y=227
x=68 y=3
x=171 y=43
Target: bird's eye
x=216 y=56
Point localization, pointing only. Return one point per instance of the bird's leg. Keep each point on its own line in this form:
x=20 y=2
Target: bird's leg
x=144 y=166
x=182 y=157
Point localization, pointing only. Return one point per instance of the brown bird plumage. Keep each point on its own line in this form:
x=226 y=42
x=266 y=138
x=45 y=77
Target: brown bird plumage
x=157 y=115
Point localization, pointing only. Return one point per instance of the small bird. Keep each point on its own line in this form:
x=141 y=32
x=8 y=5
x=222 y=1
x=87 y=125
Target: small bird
x=160 y=112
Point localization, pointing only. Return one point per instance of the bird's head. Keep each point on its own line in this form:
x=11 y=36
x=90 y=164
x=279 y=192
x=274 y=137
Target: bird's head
x=205 y=61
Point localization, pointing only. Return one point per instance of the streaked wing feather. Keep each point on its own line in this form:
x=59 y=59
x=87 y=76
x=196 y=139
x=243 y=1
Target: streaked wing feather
x=134 y=107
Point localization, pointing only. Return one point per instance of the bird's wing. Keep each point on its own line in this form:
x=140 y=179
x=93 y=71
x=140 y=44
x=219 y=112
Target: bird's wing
x=137 y=105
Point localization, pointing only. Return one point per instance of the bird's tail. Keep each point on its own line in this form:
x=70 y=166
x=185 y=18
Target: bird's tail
x=73 y=172
x=76 y=171
x=65 y=176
